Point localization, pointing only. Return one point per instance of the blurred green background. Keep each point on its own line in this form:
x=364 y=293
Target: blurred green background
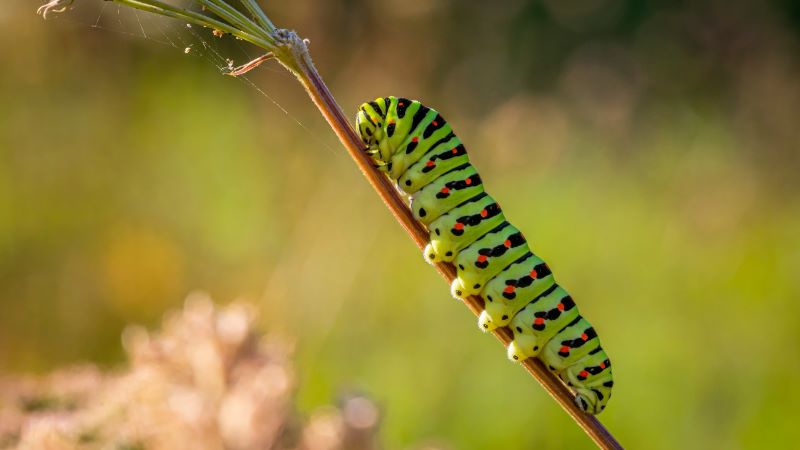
x=649 y=150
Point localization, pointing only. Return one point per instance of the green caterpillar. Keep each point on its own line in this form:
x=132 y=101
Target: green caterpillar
x=418 y=150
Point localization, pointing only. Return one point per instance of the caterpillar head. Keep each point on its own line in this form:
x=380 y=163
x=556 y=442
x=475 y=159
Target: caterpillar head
x=371 y=123
x=588 y=400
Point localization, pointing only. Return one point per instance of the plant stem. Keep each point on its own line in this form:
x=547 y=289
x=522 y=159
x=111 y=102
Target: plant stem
x=256 y=11
x=310 y=78
x=165 y=9
x=232 y=16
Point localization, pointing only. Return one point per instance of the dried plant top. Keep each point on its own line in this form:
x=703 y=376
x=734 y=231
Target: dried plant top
x=206 y=380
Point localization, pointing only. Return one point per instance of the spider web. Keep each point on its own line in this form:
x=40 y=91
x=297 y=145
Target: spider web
x=190 y=40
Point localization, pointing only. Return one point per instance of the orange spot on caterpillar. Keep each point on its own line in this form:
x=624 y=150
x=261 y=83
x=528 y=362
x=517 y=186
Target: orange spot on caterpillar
x=468 y=181
x=435 y=123
x=482 y=258
x=584 y=336
x=415 y=139
x=560 y=306
x=509 y=289
x=506 y=243
x=445 y=190
x=563 y=349
x=533 y=274
x=484 y=213
x=602 y=365
x=459 y=226
x=455 y=150
x=430 y=164
x=583 y=374
x=538 y=321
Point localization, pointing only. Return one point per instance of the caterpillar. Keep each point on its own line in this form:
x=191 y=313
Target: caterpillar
x=417 y=149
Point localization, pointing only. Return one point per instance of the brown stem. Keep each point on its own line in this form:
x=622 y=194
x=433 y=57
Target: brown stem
x=302 y=66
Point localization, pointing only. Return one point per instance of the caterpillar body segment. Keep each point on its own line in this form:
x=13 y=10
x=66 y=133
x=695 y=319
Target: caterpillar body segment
x=513 y=288
x=538 y=321
x=487 y=257
x=570 y=345
x=425 y=170
x=445 y=193
x=592 y=380
x=416 y=148
x=461 y=226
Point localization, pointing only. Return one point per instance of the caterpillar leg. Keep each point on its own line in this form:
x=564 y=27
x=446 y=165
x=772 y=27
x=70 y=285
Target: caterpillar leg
x=457 y=289
x=515 y=352
x=485 y=322
x=523 y=346
x=429 y=253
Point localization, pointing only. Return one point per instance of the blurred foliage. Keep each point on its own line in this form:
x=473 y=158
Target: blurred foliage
x=649 y=149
